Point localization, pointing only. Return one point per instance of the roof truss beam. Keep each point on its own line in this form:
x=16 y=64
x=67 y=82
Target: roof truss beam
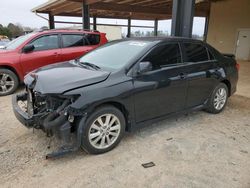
x=129 y=8
x=87 y=2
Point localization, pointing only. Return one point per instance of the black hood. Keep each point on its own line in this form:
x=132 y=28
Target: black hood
x=62 y=77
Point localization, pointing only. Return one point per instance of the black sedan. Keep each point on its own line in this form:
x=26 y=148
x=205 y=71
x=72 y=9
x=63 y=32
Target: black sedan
x=124 y=85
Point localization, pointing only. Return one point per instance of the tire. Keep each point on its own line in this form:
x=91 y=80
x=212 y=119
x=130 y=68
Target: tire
x=95 y=137
x=218 y=99
x=8 y=82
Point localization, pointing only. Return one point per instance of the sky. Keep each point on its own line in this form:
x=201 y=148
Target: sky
x=16 y=11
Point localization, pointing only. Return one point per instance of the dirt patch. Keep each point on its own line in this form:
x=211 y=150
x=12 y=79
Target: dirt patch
x=196 y=150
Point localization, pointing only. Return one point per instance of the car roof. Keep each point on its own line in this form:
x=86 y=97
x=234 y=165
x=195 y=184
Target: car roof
x=163 y=39
x=69 y=31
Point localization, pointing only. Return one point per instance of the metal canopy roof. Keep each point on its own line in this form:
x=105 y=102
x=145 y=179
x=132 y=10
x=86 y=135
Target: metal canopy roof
x=134 y=9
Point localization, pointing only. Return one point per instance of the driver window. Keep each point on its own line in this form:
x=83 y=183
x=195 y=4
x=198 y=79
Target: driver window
x=164 y=55
x=46 y=43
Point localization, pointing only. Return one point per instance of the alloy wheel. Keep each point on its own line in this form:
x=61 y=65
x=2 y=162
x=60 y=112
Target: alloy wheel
x=104 y=131
x=6 y=83
x=220 y=98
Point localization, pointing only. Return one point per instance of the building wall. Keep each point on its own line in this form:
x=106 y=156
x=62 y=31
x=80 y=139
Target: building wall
x=226 y=18
x=112 y=32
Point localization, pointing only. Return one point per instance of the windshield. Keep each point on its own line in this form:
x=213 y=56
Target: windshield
x=18 y=41
x=115 y=55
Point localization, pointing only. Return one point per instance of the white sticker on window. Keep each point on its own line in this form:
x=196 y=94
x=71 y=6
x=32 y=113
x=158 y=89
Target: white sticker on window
x=137 y=44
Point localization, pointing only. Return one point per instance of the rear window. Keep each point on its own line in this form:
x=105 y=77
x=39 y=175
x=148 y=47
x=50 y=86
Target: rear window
x=73 y=40
x=195 y=52
x=93 y=39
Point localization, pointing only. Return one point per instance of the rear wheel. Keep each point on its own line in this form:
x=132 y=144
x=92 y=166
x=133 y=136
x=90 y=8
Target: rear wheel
x=103 y=130
x=218 y=99
x=8 y=82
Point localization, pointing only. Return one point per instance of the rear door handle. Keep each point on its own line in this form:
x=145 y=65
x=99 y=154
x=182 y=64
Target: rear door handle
x=183 y=76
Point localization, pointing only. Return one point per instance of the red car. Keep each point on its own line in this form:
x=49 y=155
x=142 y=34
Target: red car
x=38 y=49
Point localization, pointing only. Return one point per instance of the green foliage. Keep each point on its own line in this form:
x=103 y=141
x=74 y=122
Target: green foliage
x=11 y=31
x=44 y=28
x=5 y=31
x=16 y=30
x=140 y=33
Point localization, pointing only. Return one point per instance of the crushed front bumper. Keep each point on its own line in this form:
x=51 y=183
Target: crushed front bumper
x=62 y=129
x=20 y=114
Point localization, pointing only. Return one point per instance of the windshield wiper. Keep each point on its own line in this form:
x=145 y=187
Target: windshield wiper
x=90 y=65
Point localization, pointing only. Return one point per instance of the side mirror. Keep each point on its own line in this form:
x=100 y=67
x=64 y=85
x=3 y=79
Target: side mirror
x=28 y=48
x=145 y=67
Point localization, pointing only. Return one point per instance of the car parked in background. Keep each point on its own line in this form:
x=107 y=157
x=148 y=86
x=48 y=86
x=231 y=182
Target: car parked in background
x=41 y=48
x=122 y=86
x=3 y=43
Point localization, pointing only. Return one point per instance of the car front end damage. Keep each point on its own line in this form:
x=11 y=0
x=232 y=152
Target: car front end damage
x=51 y=114
x=52 y=104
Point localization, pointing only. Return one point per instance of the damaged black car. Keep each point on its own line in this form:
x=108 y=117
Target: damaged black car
x=91 y=102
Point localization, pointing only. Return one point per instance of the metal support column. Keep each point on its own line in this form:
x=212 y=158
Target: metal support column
x=207 y=23
x=129 y=28
x=206 y=29
x=156 y=28
x=85 y=15
x=94 y=23
x=51 y=21
x=182 y=18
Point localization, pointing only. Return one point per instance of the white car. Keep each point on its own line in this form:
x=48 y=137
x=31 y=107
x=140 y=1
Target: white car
x=3 y=43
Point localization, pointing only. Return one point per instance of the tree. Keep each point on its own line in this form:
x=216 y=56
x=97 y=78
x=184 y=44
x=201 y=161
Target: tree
x=5 y=31
x=163 y=33
x=16 y=30
x=44 y=28
x=27 y=29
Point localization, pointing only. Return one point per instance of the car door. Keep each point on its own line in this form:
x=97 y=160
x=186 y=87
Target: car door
x=75 y=46
x=201 y=73
x=163 y=90
x=46 y=51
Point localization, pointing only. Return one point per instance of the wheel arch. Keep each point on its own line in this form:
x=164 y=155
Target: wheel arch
x=228 y=84
x=13 y=70
x=120 y=107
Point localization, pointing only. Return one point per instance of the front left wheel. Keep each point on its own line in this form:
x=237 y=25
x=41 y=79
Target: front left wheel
x=103 y=130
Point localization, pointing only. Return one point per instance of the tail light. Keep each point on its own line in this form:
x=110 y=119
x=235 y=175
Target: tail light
x=237 y=66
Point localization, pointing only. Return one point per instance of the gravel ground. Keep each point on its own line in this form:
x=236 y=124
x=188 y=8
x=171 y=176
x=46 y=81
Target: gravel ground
x=194 y=150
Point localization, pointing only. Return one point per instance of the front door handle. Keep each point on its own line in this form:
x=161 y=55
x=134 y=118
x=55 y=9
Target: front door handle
x=183 y=76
